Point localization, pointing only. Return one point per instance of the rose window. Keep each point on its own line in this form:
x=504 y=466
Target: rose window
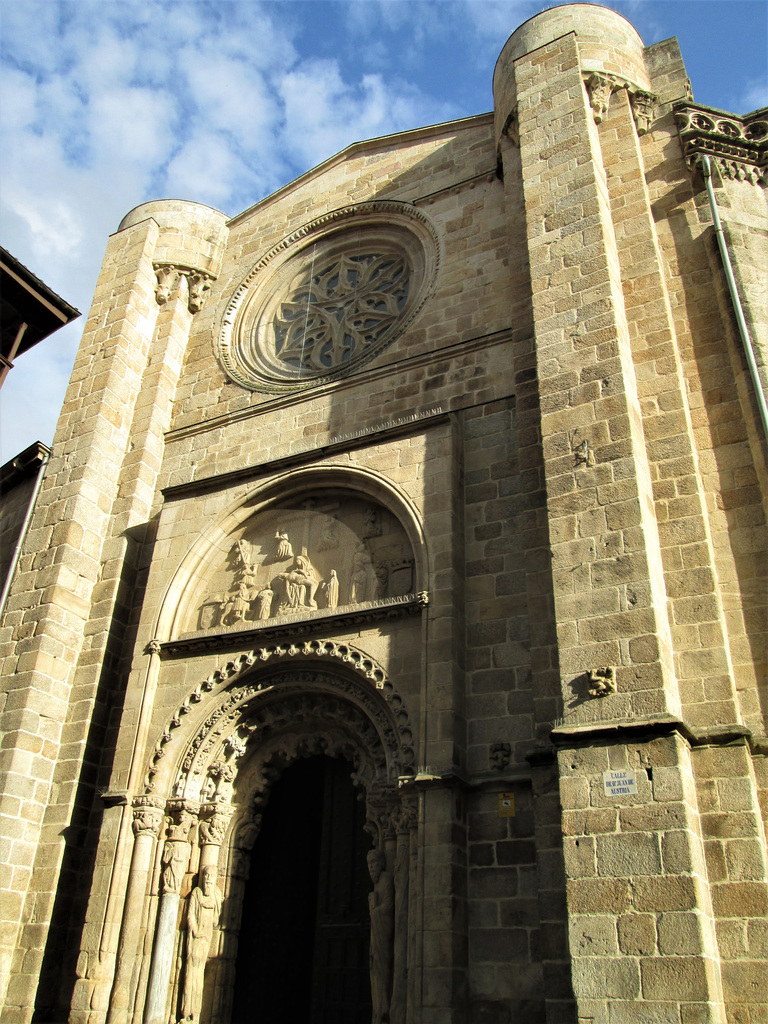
x=328 y=298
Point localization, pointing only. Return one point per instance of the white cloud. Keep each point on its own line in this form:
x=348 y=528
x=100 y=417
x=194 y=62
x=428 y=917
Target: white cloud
x=754 y=97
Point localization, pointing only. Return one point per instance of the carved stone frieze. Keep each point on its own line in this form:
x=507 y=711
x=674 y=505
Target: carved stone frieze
x=738 y=146
x=318 y=556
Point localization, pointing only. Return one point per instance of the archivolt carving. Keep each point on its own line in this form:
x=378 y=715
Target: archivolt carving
x=209 y=765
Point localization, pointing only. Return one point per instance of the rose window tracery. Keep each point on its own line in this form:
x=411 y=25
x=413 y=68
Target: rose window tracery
x=334 y=312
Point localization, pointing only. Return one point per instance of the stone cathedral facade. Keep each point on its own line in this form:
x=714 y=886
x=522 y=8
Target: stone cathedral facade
x=390 y=639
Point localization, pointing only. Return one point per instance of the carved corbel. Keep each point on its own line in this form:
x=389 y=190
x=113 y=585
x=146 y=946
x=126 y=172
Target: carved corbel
x=599 y=89
x=199 y=286
x=602 y=681
x=642 y=110
x=167 y=280
x=511 y=129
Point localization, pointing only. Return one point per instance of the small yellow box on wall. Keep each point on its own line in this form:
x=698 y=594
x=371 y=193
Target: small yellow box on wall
x=506 y=805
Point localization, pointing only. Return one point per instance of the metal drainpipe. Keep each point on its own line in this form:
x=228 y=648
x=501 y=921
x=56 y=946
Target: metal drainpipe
x=23 y=533
x=743 y=329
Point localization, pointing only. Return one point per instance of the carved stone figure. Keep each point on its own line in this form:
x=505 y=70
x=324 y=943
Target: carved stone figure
x=331 y=588
x=359 y=589
x=372 y=527
x=602 y=681
x=284 y=549
x=239 y=603
x=381 y=575
x=329 y=535
x=244 y=553
x=264 y=603
x=381 y=904
x=202 y=917
x=175 y=857
x=499 y=755
x=301 y=583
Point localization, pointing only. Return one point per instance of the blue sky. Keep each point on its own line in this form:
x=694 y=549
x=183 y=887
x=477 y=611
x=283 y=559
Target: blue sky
x=108 y=104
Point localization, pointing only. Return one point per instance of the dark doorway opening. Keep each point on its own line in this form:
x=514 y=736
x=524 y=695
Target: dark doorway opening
x=303 y=948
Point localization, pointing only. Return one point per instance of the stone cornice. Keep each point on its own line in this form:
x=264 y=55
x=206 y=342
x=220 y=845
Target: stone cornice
x=296 y=625
x=632 y=729
x=737 y=145
x=382 y=373
x=378 y=433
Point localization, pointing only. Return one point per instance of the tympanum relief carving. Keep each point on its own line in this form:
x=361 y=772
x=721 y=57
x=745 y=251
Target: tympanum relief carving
x=320 y=554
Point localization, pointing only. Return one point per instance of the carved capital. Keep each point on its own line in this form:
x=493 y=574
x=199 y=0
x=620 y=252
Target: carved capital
x=148 y=816
x=214 y=828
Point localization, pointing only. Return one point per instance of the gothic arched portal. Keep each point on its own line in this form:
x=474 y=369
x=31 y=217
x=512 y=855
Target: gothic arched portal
x=323 y=714
x=303 y=949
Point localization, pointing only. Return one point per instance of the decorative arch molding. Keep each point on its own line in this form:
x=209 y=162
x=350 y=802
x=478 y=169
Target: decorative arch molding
x=213 y=544
x=196 y=755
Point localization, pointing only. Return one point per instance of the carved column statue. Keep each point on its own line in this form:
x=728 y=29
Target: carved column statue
x=147 y=820
x=175 y=860
x=381 y=904
x=404 y=820
x=202 y=917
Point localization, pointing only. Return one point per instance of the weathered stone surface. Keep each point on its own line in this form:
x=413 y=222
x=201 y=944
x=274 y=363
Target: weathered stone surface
x=504 y=540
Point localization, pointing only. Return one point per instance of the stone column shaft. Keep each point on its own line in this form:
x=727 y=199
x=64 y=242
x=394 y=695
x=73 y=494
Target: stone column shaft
x=141 y=867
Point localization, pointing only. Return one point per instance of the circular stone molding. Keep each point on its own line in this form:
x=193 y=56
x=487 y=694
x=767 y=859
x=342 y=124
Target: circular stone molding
x=329 y=297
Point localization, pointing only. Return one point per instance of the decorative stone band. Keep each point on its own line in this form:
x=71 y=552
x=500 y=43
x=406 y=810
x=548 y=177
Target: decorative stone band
x=600 y=88
x=168 y=278
x=294 y=625
x=737 y=145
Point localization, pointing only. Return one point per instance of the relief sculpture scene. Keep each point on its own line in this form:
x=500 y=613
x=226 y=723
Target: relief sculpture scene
x=319 y=555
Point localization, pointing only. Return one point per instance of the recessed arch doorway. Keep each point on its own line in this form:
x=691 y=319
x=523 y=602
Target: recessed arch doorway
x=303 y=950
